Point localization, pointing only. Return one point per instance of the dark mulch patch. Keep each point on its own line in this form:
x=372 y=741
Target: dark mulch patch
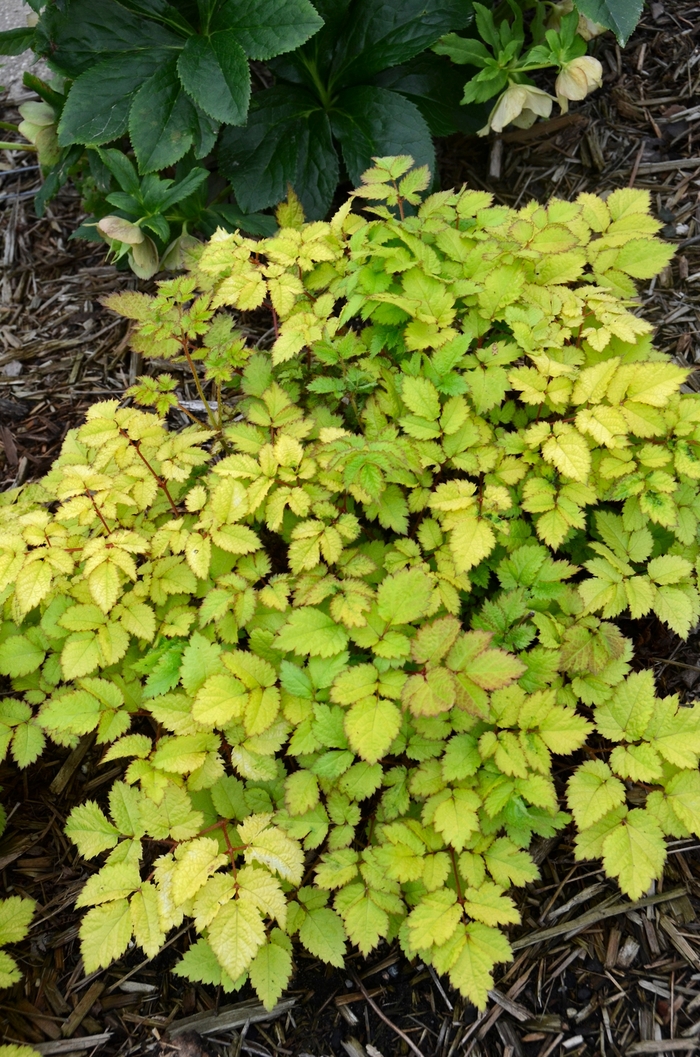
x=60 y=350
x=592 y=975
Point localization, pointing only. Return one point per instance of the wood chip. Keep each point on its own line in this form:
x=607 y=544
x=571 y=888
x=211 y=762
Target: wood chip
x=569 y=928
x=662 y=1046
x=679 y=942
x=231 y=1017
x=514 y=1008
x=680 y=164
x=71 y=765
x=83 y=1008
x=87 y=1042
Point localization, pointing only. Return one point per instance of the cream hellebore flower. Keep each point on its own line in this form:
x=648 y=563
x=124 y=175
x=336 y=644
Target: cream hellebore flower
x=577 y=79
x=519 y=105
x=121 y=230
x=587 y=28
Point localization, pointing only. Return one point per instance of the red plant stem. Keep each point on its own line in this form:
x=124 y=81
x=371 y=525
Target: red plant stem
x=229 y=848
x=455 y=871
x=399 y=201
x=159 y=480
x=202 y=397
x=98 y=512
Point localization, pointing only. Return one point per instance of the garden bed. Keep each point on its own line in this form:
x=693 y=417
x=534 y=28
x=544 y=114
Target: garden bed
x=591 y=974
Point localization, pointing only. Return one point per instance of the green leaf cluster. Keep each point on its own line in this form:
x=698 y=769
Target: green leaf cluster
x=656 y=745
x=621 y=16
x=365 y=85
x=151 y=97
x=166 y=74
x=337 y=634
x=504 y=52
x=154 y=86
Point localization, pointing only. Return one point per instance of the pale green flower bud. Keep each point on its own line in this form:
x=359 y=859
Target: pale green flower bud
x=38 y=125
x=143 y=258
x=587 y=28
x=38 y=113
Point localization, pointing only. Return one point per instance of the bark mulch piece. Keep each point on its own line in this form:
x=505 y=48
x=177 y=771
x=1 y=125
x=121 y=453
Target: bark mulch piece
x=60 y=350
x=593 y=974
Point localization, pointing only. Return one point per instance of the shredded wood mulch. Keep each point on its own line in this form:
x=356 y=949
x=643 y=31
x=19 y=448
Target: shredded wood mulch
x=60 y=350
x=593 y=974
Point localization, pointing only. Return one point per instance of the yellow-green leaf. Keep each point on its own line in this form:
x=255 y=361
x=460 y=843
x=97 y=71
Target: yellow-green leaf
x=104 y=934
x=472 y=973
x=90 y=829
x=635 y=852
x=270 y=971
x=236 y=934
x=471 y=540
x=404 y=597
x=323 y=935
x=371 y=725
x=15 y=916
x=146 y=921
x=593 y=790
x=569 y=452
x=488 y=904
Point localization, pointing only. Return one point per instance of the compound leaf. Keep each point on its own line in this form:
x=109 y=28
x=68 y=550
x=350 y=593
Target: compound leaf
x=323 y=935
x=269 y=972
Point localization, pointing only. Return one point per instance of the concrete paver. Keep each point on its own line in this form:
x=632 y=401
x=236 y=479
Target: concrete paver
x=13 y=13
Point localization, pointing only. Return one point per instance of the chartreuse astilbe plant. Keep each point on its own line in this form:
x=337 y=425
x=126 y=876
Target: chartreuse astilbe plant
x=337 y=632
